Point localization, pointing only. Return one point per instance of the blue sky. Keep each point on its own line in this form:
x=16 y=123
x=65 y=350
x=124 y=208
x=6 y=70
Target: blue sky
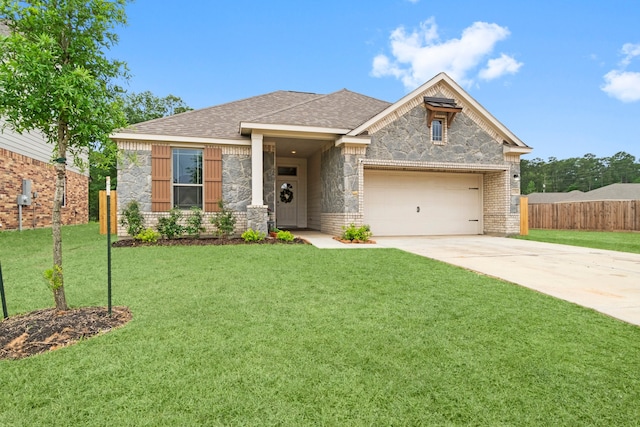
x=564 y=76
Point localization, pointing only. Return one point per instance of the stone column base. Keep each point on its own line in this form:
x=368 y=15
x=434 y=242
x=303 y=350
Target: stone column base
x=257 y=217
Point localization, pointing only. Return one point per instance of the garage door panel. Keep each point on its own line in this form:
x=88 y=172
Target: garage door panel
x=422 y=203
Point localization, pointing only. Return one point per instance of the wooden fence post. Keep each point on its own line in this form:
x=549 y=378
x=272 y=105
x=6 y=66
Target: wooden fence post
x=524 y=215
x=103 y=212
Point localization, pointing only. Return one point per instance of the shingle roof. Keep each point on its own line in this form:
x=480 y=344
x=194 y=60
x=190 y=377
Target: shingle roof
x=613 y=192
x=440 y=102
x=553 y=197
x=609 y=192
x=342 y=109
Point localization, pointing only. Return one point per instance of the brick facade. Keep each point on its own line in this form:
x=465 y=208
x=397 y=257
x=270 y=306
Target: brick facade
x=16 y=167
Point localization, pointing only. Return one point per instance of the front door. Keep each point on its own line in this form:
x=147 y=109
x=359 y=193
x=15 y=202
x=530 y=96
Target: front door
x=287 y=203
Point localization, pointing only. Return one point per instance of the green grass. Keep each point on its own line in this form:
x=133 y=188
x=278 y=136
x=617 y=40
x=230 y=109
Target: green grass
x=614 y=241
x=293 y=335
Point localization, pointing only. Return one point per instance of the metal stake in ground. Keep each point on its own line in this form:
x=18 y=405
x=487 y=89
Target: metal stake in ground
x=4 y=301
x=109 y=245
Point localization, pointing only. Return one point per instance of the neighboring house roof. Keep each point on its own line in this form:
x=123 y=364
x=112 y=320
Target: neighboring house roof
x=535 y=198
x=609 y=192
x=613 y=192
x=342 y=109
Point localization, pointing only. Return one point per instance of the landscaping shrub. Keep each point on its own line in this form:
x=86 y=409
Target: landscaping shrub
x=253 y=236
x=224 y=221
x=194 y=222
x=285 y=236
x=148 y=235
x=169 y=226
x=362 y=233
x=132 y=219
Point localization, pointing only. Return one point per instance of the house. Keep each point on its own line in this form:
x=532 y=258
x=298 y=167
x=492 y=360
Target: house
x=433 y=163
x=619 y=191
x=26 y=169
x=536 y=198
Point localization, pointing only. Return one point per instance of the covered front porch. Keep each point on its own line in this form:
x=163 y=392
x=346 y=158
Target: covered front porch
x=299 y=179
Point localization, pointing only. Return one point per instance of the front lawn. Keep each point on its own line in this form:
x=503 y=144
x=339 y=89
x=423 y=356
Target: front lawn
x=293 y=335
x=614 y=241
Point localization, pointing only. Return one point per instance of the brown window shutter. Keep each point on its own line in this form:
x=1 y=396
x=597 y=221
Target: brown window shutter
x=160 y=178
x=212 y=178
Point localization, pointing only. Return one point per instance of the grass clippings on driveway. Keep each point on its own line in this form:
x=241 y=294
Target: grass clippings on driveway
x=293 y=335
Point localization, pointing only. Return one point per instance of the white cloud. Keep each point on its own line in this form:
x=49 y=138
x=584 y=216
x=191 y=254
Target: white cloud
x=630 y=51
x=498 y=67
x=622 y=85
x=419 y=55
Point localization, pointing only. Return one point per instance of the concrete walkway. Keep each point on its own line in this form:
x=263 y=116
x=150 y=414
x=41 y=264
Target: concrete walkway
x=606 y=281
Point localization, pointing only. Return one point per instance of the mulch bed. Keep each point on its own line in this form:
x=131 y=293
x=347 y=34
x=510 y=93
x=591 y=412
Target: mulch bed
x=355 y=242
x=44 y=330
x=204 y=241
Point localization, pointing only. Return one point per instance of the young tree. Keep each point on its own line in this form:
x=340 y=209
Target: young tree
x=55 y=78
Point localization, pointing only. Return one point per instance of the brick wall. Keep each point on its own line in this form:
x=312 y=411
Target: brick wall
x=151 y=221
x=332 y=223
x=16 y=167
x=498 y=217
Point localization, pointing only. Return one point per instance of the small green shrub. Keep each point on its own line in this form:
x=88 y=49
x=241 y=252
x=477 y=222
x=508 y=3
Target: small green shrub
x=132 y=219
x=169 y=226
x=362 y=233
x=253 y=236
x=54 y=281
x=285 y=236
x=194 y=222
x=224 y=221
x=148 y=235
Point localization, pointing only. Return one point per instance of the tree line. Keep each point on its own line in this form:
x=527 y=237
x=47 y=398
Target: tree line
x=584 y=173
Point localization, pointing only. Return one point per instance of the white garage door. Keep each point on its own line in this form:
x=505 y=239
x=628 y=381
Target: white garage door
x=422 y=203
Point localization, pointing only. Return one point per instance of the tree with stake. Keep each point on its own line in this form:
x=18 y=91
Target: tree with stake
x=56 y=79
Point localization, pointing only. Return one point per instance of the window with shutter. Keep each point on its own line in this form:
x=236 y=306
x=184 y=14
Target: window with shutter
x=168 y=189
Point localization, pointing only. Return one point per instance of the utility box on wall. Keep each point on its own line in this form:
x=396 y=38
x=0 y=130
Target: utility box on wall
x=24 y=199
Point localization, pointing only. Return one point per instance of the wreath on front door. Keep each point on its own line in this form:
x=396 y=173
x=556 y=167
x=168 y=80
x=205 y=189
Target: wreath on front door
x=286 y=195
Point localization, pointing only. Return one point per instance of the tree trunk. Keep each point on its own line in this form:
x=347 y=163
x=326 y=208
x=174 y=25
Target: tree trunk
x=56 y=228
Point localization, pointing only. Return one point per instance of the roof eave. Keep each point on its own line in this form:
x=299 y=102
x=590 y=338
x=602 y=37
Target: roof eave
x=126 y=136
x=291 y=131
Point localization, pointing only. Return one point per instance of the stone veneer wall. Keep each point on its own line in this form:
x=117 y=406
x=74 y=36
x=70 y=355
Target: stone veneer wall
x=16 y=167
x=269 y=178
x=407 y=139
x=332 y=177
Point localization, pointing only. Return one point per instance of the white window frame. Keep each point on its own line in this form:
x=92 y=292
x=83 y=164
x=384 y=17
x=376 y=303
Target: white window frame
x=175 y=184
x=443 y=121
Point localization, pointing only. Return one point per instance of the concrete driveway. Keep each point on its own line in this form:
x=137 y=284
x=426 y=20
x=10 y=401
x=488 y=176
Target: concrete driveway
x=606 y=281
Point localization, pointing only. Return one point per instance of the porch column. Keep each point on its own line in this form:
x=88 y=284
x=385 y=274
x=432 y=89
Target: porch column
x=256 y=170
x=257 y=212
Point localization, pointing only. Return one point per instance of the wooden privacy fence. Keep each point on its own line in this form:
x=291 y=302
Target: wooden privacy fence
x=603 y=215
x=103 y=211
